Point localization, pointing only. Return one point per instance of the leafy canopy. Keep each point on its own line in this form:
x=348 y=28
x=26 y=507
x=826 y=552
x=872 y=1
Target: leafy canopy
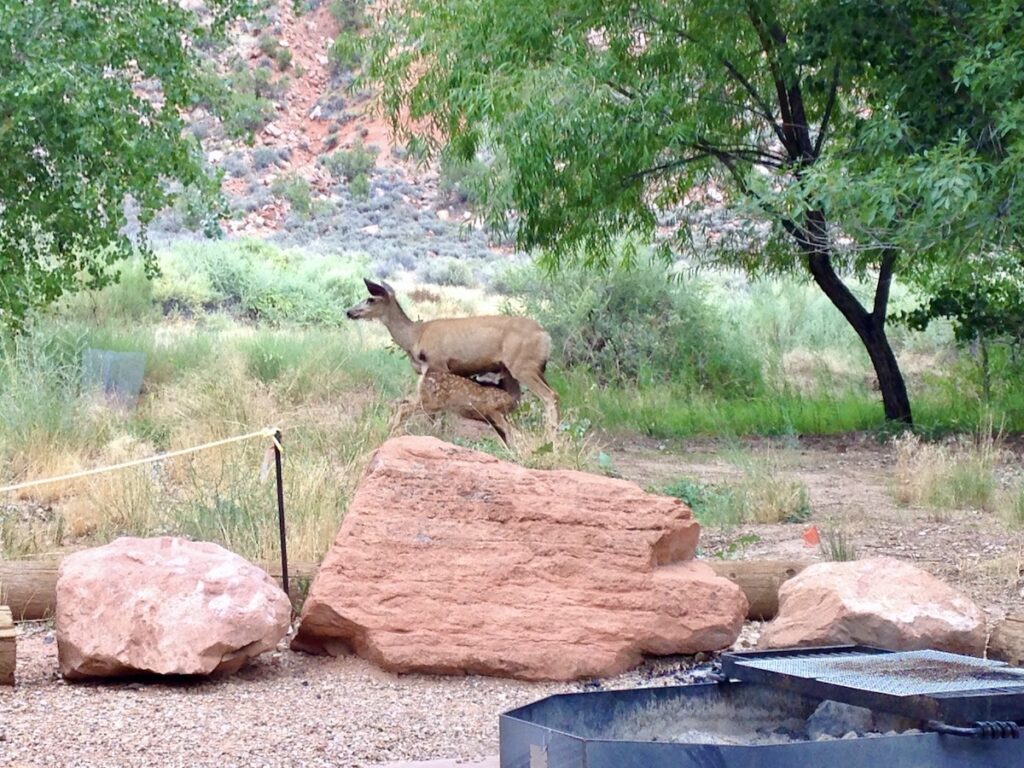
x=91 y=102
x=897 y=124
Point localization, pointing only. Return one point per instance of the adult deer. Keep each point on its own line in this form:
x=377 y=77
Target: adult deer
x=437 y=391
x=516 y=347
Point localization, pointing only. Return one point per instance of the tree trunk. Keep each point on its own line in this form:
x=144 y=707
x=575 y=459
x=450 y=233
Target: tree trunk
x=895 y=401
x=870 y=326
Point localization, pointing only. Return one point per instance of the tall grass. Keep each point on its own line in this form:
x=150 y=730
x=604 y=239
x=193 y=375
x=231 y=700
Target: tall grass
x=667 y=411
x=762 y=492
x=958 y=473
x=325 y=389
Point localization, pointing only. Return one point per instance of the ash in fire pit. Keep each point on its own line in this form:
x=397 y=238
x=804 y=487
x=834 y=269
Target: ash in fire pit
x=748 y=716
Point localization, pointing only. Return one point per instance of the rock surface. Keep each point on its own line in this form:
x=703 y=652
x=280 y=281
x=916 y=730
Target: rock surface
x=165 y=606
x=879 y=601
x=451 y=561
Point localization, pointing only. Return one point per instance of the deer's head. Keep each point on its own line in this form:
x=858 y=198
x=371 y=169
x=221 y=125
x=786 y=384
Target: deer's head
x=381 y=298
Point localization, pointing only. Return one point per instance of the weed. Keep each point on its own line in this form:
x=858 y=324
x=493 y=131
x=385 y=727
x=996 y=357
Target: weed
x=761 y=494
x=1014 y=506
x=836 y=545
x=735 y=547
x=296 y=191
x=352 y=163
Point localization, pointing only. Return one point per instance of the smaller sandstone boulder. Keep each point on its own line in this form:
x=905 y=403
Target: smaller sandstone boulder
x=165 y=606
x=881 y=602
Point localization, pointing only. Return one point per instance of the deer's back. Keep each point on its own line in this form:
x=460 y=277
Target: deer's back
x=477 y=344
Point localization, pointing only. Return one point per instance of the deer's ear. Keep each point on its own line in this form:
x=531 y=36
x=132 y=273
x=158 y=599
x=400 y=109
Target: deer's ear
x=388 y=288
x=374 y=289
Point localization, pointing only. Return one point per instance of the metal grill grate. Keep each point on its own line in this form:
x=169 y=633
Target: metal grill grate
x=899 y=674
x=925 y=684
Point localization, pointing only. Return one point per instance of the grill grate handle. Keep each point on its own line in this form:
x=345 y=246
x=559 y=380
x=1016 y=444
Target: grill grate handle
x=985 y=729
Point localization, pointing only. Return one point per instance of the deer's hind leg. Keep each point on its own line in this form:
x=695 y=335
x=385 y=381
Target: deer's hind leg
x=533 y=378
x=502 y=426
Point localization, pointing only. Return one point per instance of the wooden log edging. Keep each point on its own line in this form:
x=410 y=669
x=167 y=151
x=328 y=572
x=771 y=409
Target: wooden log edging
x=29 y=587
x=760 y=581
x=1007 y=640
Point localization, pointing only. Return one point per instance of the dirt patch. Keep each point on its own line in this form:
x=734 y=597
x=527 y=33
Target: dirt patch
x=849 y=480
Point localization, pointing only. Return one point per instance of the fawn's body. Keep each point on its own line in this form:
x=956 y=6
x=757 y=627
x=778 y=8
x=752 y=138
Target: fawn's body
x=440 y=391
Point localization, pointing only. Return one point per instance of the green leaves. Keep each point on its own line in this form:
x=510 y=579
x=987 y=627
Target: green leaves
x=90 y=109
x=881 y=116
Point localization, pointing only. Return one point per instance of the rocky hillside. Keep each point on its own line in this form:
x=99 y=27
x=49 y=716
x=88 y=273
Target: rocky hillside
x=308 y=161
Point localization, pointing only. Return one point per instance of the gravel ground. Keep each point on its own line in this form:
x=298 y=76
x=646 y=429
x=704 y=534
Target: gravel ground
x=286 y=709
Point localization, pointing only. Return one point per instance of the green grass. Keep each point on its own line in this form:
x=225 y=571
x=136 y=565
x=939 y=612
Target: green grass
x=665 y=411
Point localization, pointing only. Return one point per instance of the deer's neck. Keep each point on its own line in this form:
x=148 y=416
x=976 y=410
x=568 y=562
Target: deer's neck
x=404 y=331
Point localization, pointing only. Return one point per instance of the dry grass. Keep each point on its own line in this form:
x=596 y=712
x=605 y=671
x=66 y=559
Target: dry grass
x=766 y=492
x=961 y=474
x=327 y=390
x=762 y=491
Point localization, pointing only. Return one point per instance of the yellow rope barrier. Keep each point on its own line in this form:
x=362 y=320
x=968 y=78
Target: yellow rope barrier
x=268 y=432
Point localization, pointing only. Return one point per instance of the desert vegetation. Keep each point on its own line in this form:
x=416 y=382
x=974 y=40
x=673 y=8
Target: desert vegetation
x=243 y=334
x=684 y=301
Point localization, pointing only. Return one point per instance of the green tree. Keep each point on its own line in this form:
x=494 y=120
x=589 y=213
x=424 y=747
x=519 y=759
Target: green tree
x=985 y=307
x=846 y=137
x=91 y=100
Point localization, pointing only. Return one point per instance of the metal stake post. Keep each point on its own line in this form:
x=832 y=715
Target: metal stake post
x=280 y=510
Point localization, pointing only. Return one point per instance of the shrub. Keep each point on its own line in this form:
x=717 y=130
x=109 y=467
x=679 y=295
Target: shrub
x=636 y=327
x=255 y=279
x=445 y=270
x=264 y=157
x=359 y=187
x=349 y=15
x=296 y=191
x=463 y=182
x=241 y=98
x=349 y=164
x=271 y=47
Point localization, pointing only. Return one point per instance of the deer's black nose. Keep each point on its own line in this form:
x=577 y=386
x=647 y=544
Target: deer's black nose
x=351 y=314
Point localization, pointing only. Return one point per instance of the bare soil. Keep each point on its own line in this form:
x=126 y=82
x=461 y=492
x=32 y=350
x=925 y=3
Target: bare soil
x=849 y=480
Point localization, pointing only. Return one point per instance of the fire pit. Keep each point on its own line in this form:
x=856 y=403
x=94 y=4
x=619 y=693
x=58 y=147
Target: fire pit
x=848 y=706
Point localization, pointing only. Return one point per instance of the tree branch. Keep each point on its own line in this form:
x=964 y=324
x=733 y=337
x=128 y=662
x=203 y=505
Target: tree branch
x=884 y=285
x=762 y=105
x=664 y=167
x=828 y=112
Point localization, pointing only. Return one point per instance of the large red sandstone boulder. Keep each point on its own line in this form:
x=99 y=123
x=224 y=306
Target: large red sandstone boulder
x=164 y=606
x=880 y=601
x=451 y=561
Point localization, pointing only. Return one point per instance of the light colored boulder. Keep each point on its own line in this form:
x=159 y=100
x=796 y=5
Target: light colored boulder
x=879 y=601
x=452 y=561
x=165 y=606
